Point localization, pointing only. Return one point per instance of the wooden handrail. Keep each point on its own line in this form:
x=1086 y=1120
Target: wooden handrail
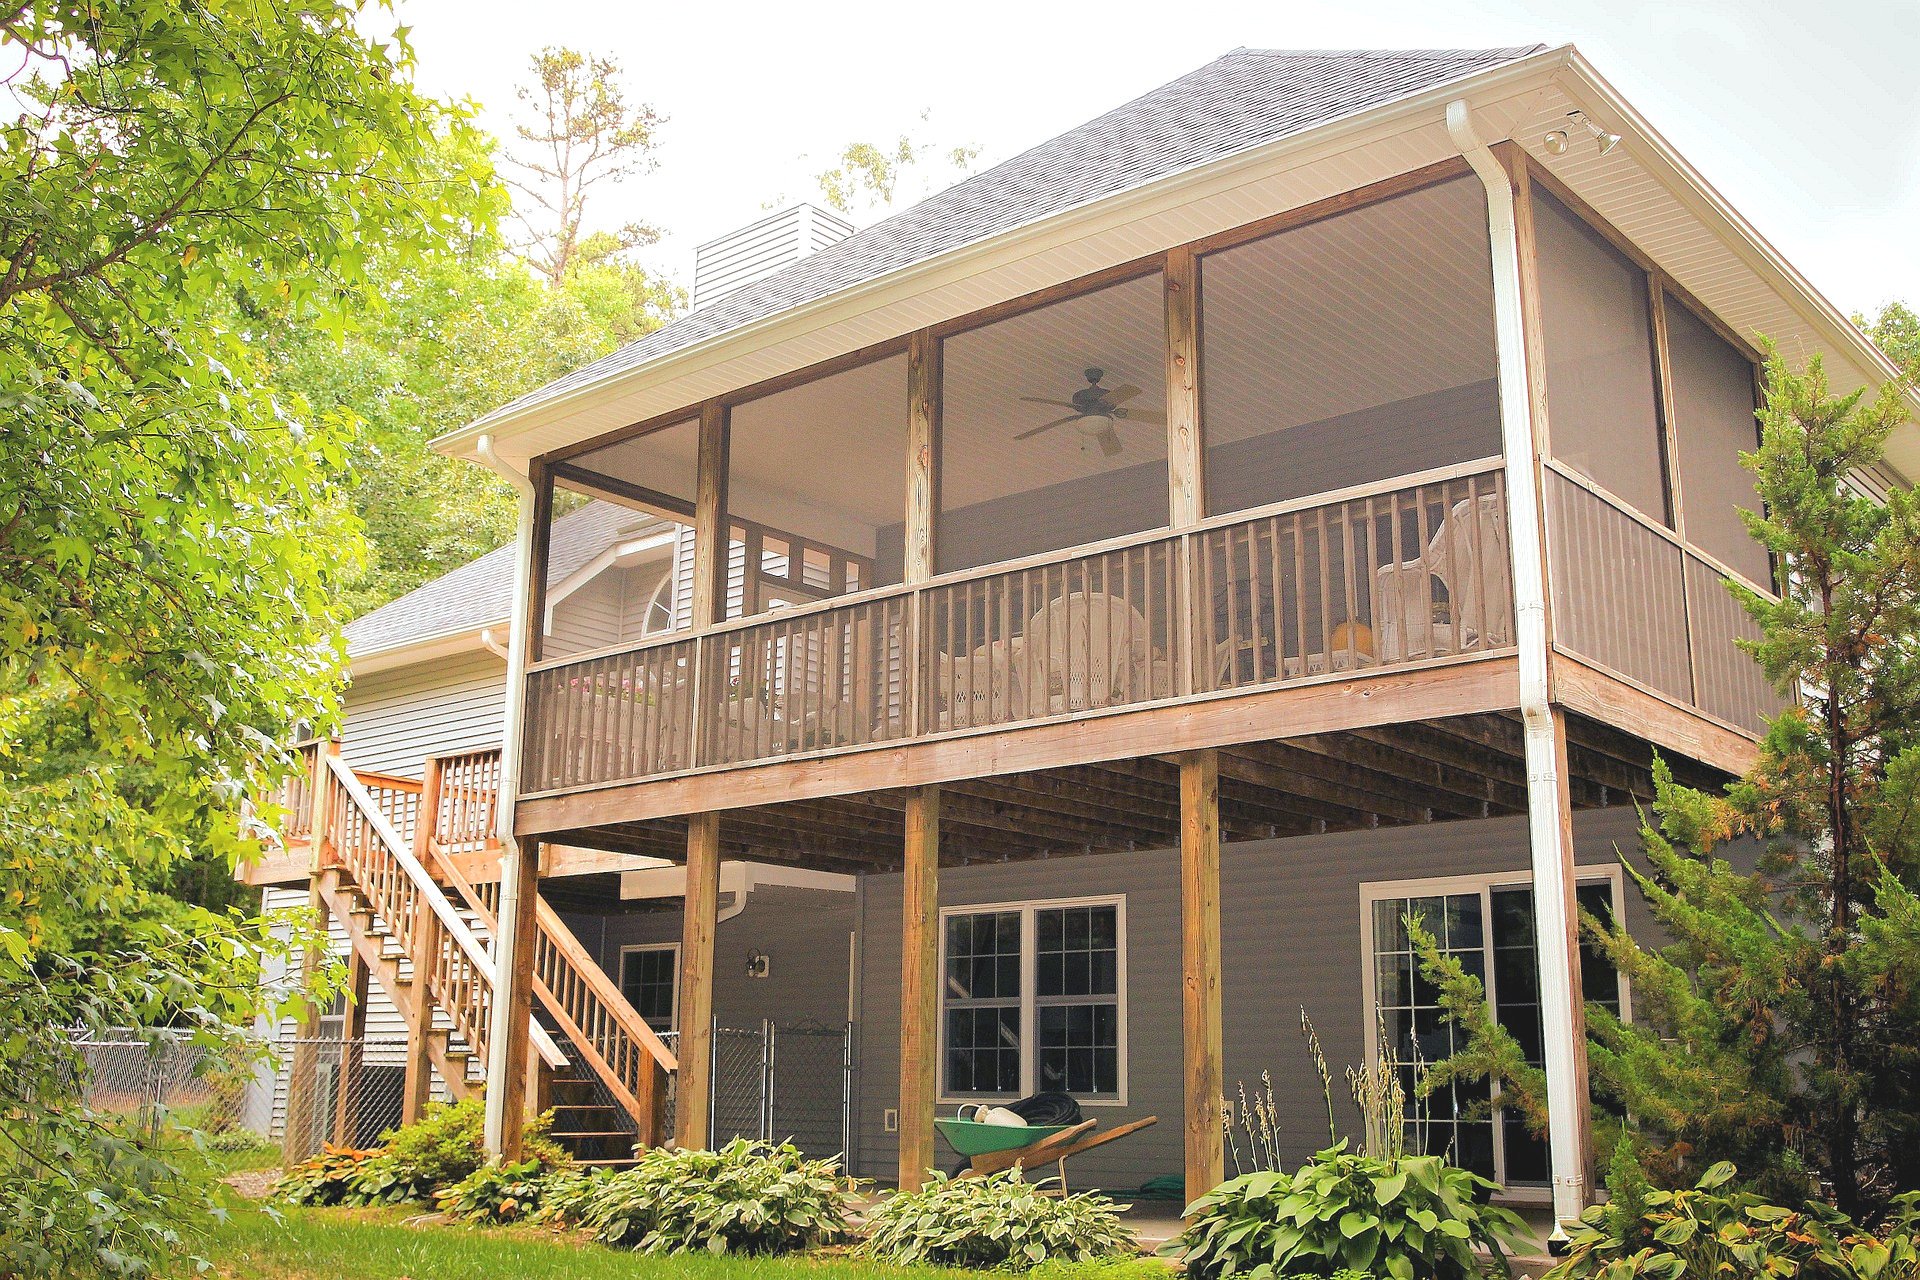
x=458 y=976
x=627 y=1054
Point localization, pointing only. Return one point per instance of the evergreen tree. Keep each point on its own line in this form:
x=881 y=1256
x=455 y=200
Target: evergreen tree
x=1780 y=1026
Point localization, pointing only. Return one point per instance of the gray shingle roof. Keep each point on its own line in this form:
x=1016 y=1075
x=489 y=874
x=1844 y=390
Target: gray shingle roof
x=480 y=593
x=1241 y=100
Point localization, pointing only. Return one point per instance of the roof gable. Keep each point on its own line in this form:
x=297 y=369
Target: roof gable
x=1241 y=100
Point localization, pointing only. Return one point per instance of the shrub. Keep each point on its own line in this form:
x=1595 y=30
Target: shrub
x=445 y=1145
x=569 y=1194
x=1711 y=1229
x=1001 y=1220
x=748 y=1197
x=1399 y=1218
x=237 y=1142
x=498 y=1193
x=327 y=1178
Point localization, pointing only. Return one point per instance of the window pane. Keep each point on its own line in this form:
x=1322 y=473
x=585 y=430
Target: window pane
x=1713 y=424
x=647 y=980
x=983 y=1051
x=1093 y=460
x=816 y=488
x=620 y=554
x=1078 y=951
x=983 y=956
x=1349 y=350
x=1599 y=355
x=1080 y=1049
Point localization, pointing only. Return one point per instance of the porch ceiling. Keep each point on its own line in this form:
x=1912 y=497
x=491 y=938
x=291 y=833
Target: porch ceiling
x=1430 y=771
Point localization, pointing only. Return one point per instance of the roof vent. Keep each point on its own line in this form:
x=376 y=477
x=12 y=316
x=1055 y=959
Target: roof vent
x=759 y=249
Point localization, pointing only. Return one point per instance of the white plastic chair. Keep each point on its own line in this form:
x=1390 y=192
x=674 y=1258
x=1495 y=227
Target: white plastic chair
x=1088 y=650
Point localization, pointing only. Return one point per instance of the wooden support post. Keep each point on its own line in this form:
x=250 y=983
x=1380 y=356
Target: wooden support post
x=353 y=1030
x=710 y=535
x=297 y=1143
x=1200 y=969
x=515 y=1087
x=923 y=454
x=1186 y=458
x=919 y=986
x=692 y=1103
x=417 y=1082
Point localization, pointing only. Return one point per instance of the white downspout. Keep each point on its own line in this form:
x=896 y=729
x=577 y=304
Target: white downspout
x=1550 y=858
x=510 y=729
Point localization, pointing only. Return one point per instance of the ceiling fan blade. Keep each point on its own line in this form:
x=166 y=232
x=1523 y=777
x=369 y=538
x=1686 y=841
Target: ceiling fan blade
x=1062 y=404
x=1122 y=394
x=1048 y=426
x=1109 y=442
x=1148 y=416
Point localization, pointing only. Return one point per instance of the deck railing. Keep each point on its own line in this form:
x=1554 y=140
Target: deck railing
x=1387 y=575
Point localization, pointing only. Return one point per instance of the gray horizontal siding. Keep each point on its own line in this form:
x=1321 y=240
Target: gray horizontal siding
x=805 y=933
x=1290 y=937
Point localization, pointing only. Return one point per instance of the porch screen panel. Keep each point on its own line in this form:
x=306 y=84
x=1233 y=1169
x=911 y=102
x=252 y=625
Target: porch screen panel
x=1616 y=587
x=1596 y=319
x=1713 y=423
x=817 y=483
x=620 y=550
x=1023 y=470
x=1350 y=350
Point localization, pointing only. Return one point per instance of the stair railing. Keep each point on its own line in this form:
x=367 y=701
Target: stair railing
x=450 y=963
x=630 y=1059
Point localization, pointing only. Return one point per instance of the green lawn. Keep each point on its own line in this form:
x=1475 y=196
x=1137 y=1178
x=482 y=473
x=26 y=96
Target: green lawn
x=343 y=1244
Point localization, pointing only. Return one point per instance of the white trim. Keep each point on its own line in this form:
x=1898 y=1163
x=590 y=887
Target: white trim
x=631 y=947
x=1483 y=885
x=1029 y=1000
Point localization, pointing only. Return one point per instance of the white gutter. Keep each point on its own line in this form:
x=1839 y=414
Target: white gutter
x=1552 y=859
x=493 y=646
x=498 y=1038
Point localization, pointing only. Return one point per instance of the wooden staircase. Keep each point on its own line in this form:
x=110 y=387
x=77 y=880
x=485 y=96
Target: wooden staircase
x=410 y=869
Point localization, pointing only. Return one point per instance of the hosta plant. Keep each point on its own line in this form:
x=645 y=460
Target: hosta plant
x=1715 y=1229
x=1413 y=1216
x=498 y=1193
x=747 y=1197
x=326 y=1178
x=1000 y=1220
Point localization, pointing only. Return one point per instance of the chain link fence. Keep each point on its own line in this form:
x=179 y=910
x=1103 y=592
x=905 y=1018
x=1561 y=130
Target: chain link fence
x=329 y=1090
x=771 y=1082
x=125 y=1070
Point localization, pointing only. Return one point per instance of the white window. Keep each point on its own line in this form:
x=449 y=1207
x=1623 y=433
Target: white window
x=1486 y=923
x=1033 y=999
x=650 y=980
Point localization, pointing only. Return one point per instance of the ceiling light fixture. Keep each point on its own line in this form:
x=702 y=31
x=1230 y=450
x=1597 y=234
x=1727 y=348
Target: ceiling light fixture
x=1555 y=142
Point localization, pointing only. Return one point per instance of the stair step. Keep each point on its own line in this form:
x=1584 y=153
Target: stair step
x=559 y=1136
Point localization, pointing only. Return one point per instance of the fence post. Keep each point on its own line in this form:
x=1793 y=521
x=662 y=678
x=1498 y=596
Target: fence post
x=846 y=1098
x=766 y=1079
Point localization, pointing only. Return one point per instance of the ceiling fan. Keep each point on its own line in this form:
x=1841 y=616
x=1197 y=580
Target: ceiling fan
x=1095 y=410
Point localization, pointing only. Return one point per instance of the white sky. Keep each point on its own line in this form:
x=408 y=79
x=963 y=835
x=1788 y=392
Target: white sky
x=1804 y=113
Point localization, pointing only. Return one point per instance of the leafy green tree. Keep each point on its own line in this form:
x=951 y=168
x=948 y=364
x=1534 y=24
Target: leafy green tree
x=579 y=133
x=1896 y=328
x=171 y=534
x=869 y=179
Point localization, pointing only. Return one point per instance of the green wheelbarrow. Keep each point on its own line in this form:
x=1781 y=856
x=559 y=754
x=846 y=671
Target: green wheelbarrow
x=972 y=1138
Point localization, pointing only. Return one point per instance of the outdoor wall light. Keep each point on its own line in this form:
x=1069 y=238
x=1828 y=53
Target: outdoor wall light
x=1608 y=140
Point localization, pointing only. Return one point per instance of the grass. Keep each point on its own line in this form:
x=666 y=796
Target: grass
x=349 y=1244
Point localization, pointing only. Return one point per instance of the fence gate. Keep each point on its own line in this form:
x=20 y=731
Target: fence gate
x=784 y=1083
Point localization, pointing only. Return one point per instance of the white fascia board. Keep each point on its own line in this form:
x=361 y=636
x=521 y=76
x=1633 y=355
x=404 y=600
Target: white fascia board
x=670 y=880
x=426 y=648
x=1416 y=112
